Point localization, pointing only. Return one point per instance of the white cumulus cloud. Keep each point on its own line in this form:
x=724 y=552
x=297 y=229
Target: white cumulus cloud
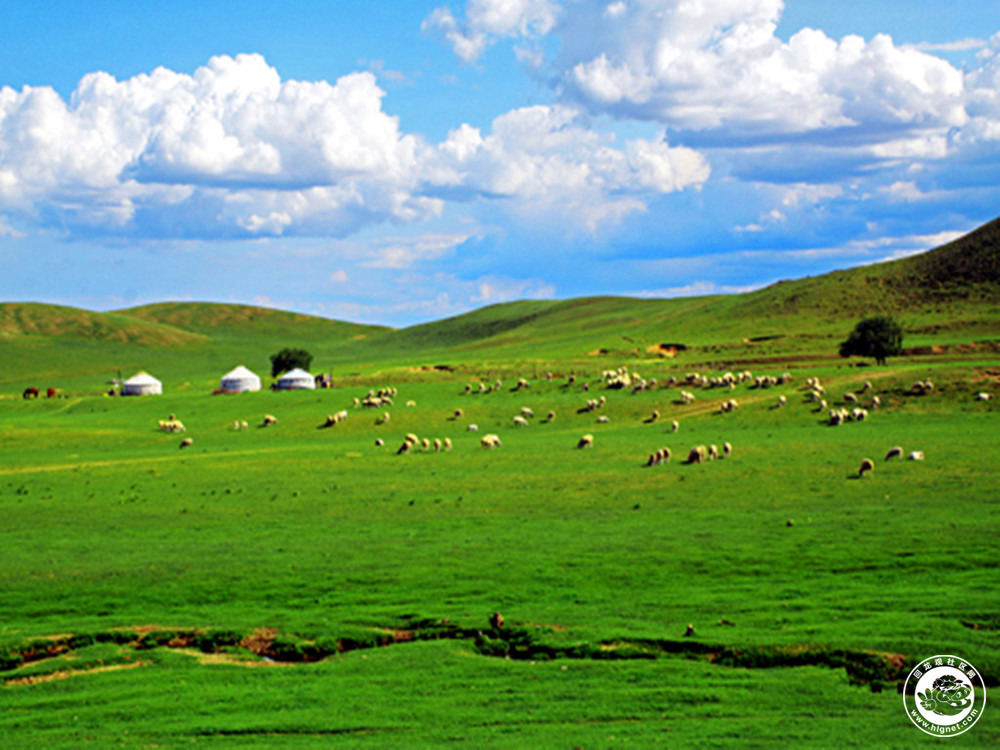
x=232 y=150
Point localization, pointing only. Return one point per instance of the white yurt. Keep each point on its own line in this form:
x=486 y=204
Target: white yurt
x=142 y=384
x=296 y=379
x=241 y=379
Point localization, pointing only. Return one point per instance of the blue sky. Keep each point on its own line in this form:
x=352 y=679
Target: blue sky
x=400 y=162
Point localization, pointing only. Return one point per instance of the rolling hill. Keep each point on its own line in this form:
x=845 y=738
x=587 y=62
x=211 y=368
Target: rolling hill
x=946 y=296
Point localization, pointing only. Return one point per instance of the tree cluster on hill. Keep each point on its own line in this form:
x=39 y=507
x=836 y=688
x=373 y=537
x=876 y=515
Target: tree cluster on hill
x=879 y=337
x=288 y=359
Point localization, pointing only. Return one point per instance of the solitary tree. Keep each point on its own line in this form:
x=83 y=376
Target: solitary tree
x=289 y=359
x=879 y=337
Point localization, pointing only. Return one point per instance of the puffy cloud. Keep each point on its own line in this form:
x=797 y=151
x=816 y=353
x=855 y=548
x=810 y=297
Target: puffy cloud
x=232 y=150
x=720 y=67
x=486 y=20
x=542 y=157
x=229 y=150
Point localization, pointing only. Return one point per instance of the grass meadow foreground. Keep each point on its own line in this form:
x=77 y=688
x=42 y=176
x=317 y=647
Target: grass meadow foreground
x=296 y=585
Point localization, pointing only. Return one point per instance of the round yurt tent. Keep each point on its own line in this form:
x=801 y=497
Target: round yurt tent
x=142 y=384
x=239 y=380
x=296 y=379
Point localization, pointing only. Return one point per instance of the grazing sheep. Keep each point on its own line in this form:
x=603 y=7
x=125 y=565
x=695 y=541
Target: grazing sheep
x=918 y=388
x=867 y=386
x=269 y=419
x=674 y=426
x=780 y=402
x=727 y=450
x=490 y=441
x=383 y=419
x=468 y=388
x=603 y=420
x=379 y=442
x=411 y=403
x=447 y=444
x=876 y=402
x=526 y=412
x=894 y=452
x=437 y=445
x=425 y=444
x=236 y=425
x=983 y=396
x=458 y=414
x=697 y=455
x=915 y=456
x=652 y=417
x=659 y=457
x=859 y=415
x=713 y=452
x=472 y=428
x=357 y=402
x=173 y=425
x=587 y=441
x=850 y=398
x=520 y=421
x=550 y=416
x=729 y=406
x=521 y=383
x=406 y=447
x=186 y=442
x=867 y=466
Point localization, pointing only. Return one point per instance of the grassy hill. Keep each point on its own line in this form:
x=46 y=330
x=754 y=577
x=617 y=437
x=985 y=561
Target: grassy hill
x=949 y=296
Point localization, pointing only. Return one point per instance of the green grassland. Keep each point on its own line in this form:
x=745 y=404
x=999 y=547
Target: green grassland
x=296 y=585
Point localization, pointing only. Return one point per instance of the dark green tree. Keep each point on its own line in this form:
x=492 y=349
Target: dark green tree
x=879 y=337
x=288 y=359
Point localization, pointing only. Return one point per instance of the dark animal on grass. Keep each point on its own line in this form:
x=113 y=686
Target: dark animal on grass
x=30 y=393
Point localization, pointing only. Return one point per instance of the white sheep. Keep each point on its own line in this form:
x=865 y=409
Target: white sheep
x=915 y=456
x=270 y=419
x=472 y=428
x=674 y=426
x=587 y=441
x=603 y=420
x=867 y=466
x=520 y=421
x=490 y=441
x=186 y=442
x=984 y=396
x=437 y=445
x=850 y=398
x=713 y=452
x=894 y=452
x=727 y=450
x=447 y=444
x=780 y=402
x=526 y=412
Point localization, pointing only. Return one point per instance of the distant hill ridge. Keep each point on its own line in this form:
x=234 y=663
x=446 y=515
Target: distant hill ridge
x=958 y=280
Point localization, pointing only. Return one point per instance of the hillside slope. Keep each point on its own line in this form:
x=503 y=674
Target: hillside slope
x=246 y=321
x=27 y=319
x=955 y=286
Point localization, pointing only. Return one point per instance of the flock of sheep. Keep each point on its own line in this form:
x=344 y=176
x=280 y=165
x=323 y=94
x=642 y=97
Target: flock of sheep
x=851 y=409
